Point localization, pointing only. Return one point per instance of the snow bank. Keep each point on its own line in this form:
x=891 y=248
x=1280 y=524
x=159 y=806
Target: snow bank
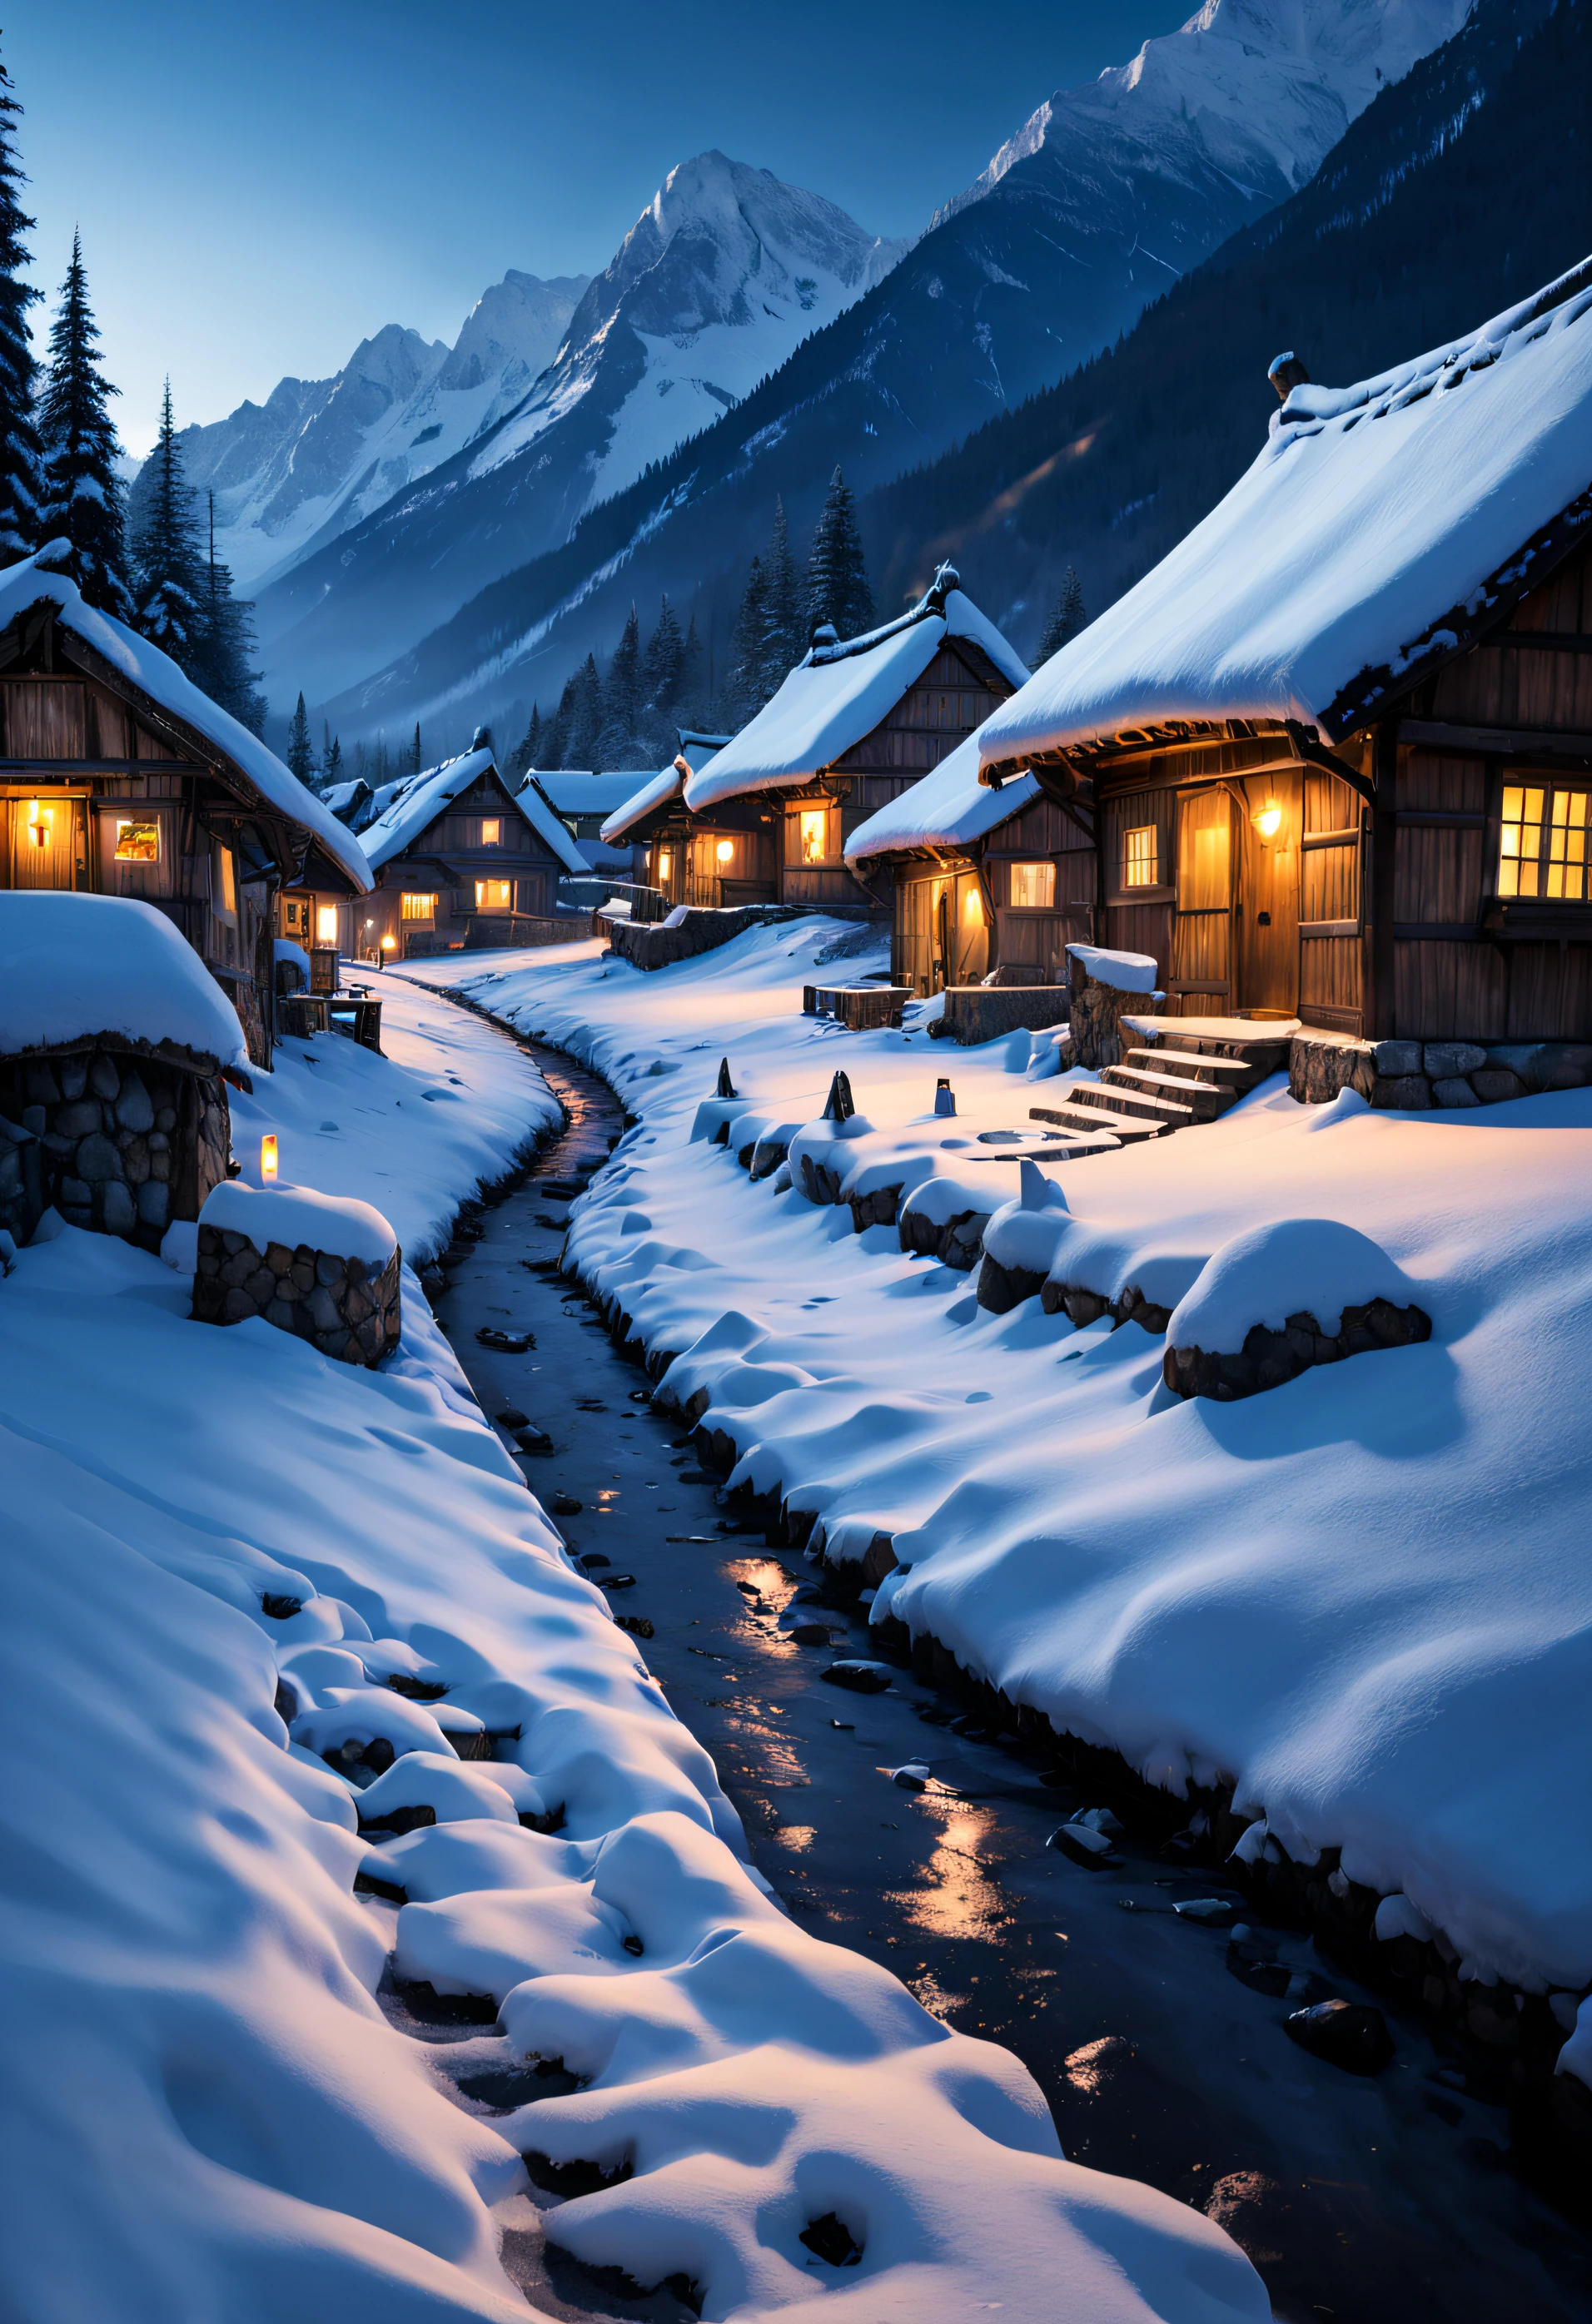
x=1359 y=1596
x=74 y=966
x=1316 y=1266
x=291 y=1215
x=203 y=2088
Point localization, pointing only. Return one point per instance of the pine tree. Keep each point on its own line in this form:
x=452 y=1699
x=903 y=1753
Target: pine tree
x=586 y=716
x=690 y=666
x=414 y=750
x=526 y=754
x=660 y=666
x=837 y=587
x=621 y=698
x=224 y=645
x=22 y=482
x=170 y=577
x=331 y=763
x=300 y=750
x=1067 y=617
x=82 y=500
x=785 y=644
x=749 y=644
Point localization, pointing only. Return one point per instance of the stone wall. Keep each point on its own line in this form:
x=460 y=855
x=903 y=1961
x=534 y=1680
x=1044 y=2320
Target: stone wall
x=22 y=1181
x=343 y=1306
x=1269 y=1359
x=983 y=1012
x=1098 y=1011
x=654 y=945
x=1422 y=1076
x=127 y=1142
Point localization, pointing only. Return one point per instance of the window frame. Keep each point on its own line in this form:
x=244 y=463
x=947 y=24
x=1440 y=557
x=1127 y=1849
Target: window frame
x=1041 y=863
x=491 y=834
x=429 y=896
x=124 y=823
x=482 y=904
x=1552 y=785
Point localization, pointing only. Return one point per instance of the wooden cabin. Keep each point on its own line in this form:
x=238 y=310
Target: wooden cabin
x=726 y=856
x=583 y=802
x=1336 y=750
x=119 y=778
x=461 y=860
x=859 y=722
x=981 y=882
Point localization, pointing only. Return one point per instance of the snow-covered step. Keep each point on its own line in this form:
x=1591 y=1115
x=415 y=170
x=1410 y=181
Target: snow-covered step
x=1117 y=1097
x=1203 y=1099
x=1236 y=1074
x=1125 y=1127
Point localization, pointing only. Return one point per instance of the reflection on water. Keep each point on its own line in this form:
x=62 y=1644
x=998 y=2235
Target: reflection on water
x=957 y=1897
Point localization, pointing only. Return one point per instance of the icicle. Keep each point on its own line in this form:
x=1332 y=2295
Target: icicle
x=839 y=1105
x=727 y=1088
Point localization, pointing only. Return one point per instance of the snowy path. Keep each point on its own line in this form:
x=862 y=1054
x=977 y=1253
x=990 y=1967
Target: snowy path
x=1384 y=2201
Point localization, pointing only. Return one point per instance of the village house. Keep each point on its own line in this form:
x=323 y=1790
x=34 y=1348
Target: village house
x=984 y=883
x=1335 y=749
x=583 y=802
x=713 y=861
x=461 y=861
x=119 y=778
x=855 y=724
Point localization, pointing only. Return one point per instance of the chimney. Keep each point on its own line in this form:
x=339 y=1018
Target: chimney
x=1287 y=373
x=824 y=635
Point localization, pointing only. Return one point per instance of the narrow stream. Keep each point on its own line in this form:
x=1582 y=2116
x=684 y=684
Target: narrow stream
x=1383 y=2202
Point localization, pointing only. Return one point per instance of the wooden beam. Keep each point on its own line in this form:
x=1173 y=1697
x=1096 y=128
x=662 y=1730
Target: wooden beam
x=1385 y=760
x=1506 y=742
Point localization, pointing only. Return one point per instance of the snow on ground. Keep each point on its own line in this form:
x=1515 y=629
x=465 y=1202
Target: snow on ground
x=208 y=2112
x=1363 y=1596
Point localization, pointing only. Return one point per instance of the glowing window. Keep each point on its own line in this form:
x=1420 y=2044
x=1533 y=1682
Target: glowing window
x=41 y=824
x=415 y=906
x=492 y=831
x=326 y=923
x=223 y=883
x=1140 y=857
x=1542 y=843
x=494 y=895
x=138 y=839
x=1033 y=887
x=815 y=833
x=725 y=850
x=665 y=865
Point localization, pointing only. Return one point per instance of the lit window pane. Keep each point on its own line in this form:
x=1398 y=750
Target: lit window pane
x=1033 y=887
x=492 y=831
x=815 y=826
x=414 y=907
x=492 y=895
x=1139 y=867
x=1520 y=843
x=1567 y=846
x=138 y=840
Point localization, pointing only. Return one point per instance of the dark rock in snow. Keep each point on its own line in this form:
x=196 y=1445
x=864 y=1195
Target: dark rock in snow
x=1344 y=2034
x=565 y=1505
x=809 y=1634
x=509 y=1418
x=507 y=1344
x=831 y=2240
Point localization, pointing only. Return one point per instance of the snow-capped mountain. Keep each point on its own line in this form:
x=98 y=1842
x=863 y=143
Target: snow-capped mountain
x=1106 y=197
x=726 y=271
x=320 y=454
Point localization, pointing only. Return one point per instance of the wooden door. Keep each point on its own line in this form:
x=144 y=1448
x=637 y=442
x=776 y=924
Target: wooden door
x=48 y=841
x=968 y=956
x=1267 y=904
x=1331 y=926
x=1200 y=983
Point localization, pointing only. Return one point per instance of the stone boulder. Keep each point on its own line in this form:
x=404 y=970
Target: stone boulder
x=346 y=1303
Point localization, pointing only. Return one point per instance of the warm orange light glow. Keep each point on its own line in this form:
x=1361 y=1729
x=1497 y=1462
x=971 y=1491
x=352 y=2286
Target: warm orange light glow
x=268 y=1155
x=815 y=832
x=41 y=823
x=389 y=944
x=326 y=923
x=492 y=831
x=665 y=865
x=725 y=850
x=1268 y=819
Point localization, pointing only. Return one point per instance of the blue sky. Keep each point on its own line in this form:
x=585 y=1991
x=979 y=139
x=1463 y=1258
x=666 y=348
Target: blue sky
x=259 y=187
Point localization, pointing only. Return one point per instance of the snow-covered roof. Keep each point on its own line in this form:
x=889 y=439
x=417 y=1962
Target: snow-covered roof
x=840 y=692
x=572 y=790
x=72 y=966
x=425 y=795
x=948 y=808
x=696 y=749
x=345 y=800
x=655 y=792
x=1371 y=538
x=33 y=581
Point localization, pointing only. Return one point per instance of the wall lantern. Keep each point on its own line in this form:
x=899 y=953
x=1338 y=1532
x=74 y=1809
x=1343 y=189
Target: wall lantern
x=725 y=850
x=1268 y=819
x=268 y=1156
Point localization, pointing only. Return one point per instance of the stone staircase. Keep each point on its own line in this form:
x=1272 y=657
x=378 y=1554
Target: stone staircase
x=1188 y=1076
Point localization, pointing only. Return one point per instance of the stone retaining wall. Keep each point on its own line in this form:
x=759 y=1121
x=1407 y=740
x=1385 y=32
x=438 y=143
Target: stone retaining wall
x=983 y=1012
x=1268 y=1359
x=649 y=944
x=125 y=1142
x=1422 y=1076
x=343 y=1306
x=1098 y=1011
